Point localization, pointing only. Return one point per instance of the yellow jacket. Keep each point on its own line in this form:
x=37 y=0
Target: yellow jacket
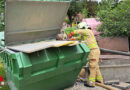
x=88 y=36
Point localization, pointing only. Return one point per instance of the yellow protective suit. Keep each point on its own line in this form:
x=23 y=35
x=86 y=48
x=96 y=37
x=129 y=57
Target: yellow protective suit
x=94 y=55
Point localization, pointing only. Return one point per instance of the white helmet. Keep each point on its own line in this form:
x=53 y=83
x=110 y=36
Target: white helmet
x=83 y=25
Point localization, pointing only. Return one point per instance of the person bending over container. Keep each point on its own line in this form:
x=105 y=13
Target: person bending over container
x=88 y=36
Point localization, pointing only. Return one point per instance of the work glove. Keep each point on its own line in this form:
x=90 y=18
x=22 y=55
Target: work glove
x=71 y=39
x=70 y=35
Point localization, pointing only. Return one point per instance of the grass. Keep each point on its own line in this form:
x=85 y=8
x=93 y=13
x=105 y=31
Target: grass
x=2 y=73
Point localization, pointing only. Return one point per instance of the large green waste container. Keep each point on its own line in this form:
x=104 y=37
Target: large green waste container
x=46 y=69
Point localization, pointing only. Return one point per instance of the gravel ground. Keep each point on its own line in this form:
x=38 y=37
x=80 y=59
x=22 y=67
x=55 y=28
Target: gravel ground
x=80 y=86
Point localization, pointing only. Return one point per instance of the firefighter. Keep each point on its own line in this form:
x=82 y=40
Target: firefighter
x=88 y=36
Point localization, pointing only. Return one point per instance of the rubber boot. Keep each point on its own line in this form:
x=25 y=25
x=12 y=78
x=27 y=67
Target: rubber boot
x=91 y=78
x=99 y=77
x=90 y=84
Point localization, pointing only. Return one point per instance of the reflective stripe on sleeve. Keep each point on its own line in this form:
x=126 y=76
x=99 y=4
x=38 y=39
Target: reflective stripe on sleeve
x=92 y=45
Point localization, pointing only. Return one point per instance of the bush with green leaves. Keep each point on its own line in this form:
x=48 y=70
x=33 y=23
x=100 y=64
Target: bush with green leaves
x=85 y=13
x=1 y=15
x=2 y=73
x=92 y=8
x=67 y=21
x=115 y=18
x=88 y=8
x=70 y=29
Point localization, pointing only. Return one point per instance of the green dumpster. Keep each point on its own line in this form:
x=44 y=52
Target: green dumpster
x=53 y=68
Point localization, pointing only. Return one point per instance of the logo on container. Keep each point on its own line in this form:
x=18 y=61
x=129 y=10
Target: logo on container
x=2 y=83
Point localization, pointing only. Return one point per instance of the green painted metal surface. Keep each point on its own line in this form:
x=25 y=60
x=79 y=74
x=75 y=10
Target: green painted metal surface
x=48 y=69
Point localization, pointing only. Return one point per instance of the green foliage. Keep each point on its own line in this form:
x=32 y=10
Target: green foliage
x=2 y=73
x=1 y=15
x=115 y=18
x=67 y=21
x=75 y=8
x=85 y=13
x=87 y=8
x=92 y=8
x=70 y=29
x=107 y=4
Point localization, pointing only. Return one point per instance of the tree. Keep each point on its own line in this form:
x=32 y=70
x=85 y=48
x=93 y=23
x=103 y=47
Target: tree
x=85 y=9
x=75 y=8
x=92 y=8
x=85 y=12
x=115 y=18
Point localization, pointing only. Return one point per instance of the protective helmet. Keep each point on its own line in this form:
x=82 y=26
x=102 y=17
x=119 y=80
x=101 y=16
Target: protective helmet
x=83 y=25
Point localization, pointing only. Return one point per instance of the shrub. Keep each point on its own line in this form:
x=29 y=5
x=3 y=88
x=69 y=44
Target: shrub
x=115 y=18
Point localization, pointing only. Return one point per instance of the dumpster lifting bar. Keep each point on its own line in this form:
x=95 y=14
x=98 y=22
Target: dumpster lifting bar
x=115 y=52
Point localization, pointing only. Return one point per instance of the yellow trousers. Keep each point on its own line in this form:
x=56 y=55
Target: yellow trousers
x=95 y=73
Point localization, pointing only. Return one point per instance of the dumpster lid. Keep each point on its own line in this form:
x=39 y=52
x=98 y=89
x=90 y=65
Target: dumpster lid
x=37 y=46
x=32 y=21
